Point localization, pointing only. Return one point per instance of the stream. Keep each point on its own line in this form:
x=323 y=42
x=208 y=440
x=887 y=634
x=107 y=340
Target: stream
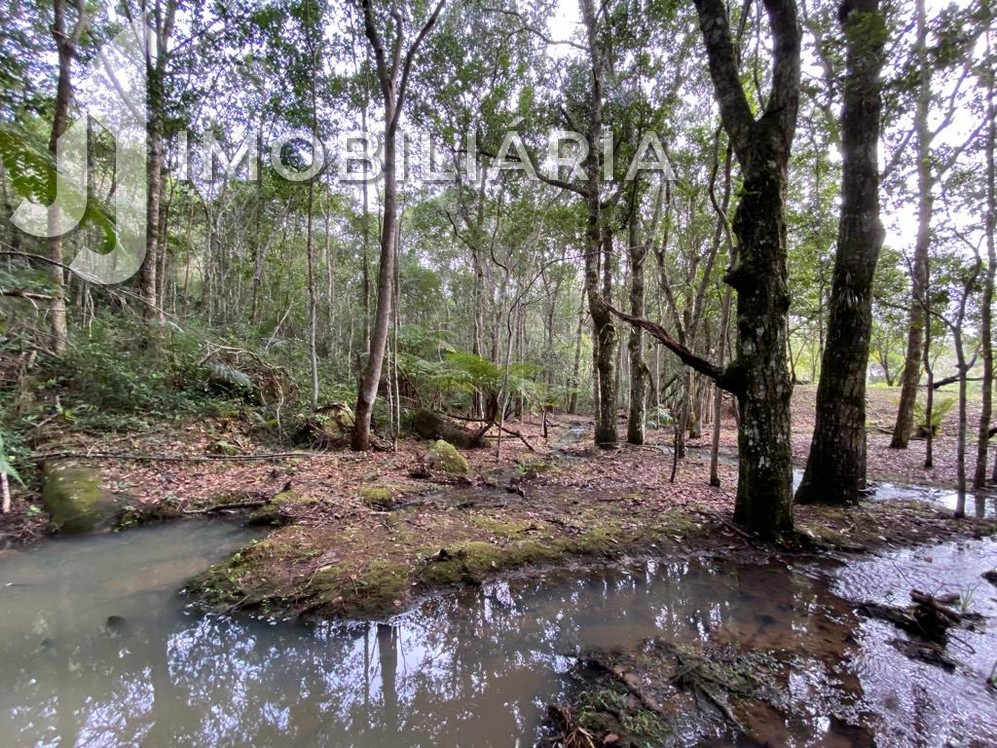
x=99 y=649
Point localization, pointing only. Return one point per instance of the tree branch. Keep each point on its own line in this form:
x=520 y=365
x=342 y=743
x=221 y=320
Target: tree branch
x=734 y=108
x=722 y=376
x=412 y=52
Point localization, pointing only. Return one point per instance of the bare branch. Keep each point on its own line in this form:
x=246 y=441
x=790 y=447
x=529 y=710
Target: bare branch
x=720 y=375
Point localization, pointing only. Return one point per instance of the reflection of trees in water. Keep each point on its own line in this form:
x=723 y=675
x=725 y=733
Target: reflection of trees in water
x=483 y=662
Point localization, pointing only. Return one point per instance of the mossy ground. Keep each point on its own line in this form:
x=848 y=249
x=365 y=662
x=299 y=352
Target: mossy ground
x=377 y=565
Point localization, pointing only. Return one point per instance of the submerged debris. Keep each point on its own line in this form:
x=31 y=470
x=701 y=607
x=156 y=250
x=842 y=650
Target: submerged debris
x=928 y=619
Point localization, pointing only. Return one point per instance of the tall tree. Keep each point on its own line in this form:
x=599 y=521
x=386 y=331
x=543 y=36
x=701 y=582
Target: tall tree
x=394 y=67
x=990 y=228
x=66 y=41
x=161 y=17
x=836 y=467
x=918 y=315
x=759 y=374
x=599 y=241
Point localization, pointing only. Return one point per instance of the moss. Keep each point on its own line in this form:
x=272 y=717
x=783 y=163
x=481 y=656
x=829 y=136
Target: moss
x=383 y=497
x=279 y=510
x=444 y=456
x=501 y=526
x=474 y=560
x=378 y=588
x=75 y=500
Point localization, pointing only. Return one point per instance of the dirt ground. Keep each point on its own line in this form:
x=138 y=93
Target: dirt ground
x=364 y=534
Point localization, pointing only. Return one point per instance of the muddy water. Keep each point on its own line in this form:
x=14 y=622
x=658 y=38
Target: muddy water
x=97 y=650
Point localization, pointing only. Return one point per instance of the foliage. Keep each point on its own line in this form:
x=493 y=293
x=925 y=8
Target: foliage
x=457 y=373
x=5 y=466
x=32 y=175
x=939 y=409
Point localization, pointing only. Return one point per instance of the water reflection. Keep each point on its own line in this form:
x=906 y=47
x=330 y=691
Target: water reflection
x=472 y=669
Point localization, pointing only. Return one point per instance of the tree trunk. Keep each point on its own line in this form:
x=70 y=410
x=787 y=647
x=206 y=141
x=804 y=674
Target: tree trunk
x=919 y=277
x=382 y=315
x=759 y=373
x=765 y=474
x=576 y=366
x=605 y=338
x=162 y=21
x=836 y=467
x=638 y=369
x=986 y=321
x=393 y=78
x=929 y=395
x=66 y=49
x=960 y=448
x=312 y=296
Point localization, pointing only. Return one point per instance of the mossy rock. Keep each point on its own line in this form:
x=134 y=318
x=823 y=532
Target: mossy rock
x=329 y=427
x=381 y=498
x=76 y=501
x=279 y=510
x=430 y=425
x=444 y=456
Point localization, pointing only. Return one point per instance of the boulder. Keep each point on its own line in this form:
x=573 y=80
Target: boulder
x=329 y=427
x=279 y=511
x=76 y=501
x=443 y=456
x=430 y=425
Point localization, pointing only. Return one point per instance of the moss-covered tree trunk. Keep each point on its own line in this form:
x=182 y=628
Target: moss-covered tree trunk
x=639 y=374
x=759 y=374
x=765 y=470
x=598 y=245
x=835 y=471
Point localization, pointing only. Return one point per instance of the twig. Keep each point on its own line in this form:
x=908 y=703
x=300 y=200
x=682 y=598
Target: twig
x=171 y=458
x=225 y=507
x=521 y=437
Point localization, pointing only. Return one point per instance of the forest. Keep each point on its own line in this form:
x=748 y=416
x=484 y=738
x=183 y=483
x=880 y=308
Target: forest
x=730 y=264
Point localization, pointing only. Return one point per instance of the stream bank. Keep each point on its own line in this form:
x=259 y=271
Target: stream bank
x=100 y=650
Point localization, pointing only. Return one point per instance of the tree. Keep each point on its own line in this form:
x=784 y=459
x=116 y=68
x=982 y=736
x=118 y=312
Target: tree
x=758 y=375
x=66 y=41
x=945 y=46
x=161 y=18
x=393 y=73
x=835 y=471
x=990 y=228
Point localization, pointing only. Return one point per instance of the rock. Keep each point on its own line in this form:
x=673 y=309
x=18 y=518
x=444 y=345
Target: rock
x=430 y=425
x=329 y=427
x=991 y=576
x=279 y=510
x=443 y=456
x=75 y=500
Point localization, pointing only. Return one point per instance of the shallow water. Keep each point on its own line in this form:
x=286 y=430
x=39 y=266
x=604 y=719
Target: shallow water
x=472 y=669
x=917 y=703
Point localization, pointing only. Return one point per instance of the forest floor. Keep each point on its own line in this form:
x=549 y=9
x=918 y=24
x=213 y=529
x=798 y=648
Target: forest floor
x=365 y=534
